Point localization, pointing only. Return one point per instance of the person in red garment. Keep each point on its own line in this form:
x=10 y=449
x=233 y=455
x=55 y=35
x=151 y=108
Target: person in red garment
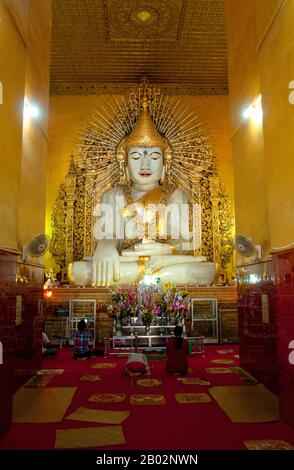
x=177 y=352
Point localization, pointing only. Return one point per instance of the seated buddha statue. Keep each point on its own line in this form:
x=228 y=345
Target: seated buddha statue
x=142 y=225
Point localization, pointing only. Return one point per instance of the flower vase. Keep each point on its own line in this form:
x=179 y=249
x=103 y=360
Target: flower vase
x=147 y=329
x=118 y=330
x=162 y=321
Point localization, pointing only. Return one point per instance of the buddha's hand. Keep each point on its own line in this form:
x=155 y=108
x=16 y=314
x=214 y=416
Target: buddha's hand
x=105 y=264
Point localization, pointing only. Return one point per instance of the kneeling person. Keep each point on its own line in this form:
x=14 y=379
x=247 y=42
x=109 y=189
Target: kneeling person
x=137 y=365
x=177 y=351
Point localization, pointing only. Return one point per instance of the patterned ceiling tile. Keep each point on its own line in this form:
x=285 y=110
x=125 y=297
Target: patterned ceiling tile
x=105 y=46
x=131 y=20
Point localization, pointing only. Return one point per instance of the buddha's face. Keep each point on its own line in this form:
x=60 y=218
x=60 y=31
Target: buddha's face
x=145 y=165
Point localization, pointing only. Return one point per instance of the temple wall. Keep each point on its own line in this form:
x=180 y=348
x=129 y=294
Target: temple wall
x=251 y=202
x=35 y=138
x=260 y=56
x=68 y=114
x=24 y=71
x=276 y=71
x=13 y=78
x=25 y=59
x=261 y=61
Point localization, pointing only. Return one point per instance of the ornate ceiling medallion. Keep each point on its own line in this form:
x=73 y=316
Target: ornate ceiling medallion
x=144 y=15
x=143 y=20
x=103 y=46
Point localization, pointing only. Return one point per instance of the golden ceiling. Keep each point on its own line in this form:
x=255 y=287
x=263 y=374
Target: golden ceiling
x=104 y=46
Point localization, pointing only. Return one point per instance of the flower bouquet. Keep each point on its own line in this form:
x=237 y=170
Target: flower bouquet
x=123 y=304
x=147 y=315
x=174 y=303
x=148 y=308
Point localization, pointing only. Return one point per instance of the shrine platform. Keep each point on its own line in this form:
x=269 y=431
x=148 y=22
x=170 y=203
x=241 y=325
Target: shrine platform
x=56 y=306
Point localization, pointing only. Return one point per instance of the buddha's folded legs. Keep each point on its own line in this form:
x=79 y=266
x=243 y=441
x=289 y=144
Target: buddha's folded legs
x=176 y=269
x=197 y=273
x=157 y=262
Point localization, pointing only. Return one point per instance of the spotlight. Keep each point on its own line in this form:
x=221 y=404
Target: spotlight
x=148 y=280
x=30 y=111
x=254 y=111
x=257 y=113
x=247 y=113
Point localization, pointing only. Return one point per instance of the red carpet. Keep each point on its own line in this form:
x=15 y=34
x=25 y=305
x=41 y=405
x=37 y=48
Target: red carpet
x=172 y=426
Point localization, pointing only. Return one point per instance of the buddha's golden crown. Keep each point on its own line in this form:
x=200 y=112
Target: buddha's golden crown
x=144 y=133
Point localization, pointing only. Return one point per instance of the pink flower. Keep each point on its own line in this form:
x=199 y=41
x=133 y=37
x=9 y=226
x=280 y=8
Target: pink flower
x=158 y=310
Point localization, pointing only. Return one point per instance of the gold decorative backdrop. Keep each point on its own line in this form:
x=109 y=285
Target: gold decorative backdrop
x=98 y=166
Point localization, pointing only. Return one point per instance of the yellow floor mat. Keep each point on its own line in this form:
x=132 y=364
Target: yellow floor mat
x=189 y=398
x=25 y=372
x=89 y=437
x=247 y=403
x=104 y=365
x=148 y=382
x=90 y=378
x=193 y=381
x=107 y=397
x=50 y=372
x=218 y=370
x=268 y=444
x=224 y=351
x=222 y=361
x=152 y=399
x=45 y=405
x=245 y=376
x=38 y=381
x=98 y=416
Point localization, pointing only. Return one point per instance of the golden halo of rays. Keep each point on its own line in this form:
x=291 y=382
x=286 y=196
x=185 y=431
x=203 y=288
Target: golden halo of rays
x=175 y=120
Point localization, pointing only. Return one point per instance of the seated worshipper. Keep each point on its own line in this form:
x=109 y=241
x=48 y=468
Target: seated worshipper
x=136 y=365
x=177 y=351
x=82 y=337
x=47 y=348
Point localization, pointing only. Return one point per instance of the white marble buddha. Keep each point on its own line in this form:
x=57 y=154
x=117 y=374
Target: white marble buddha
x=142 y=226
